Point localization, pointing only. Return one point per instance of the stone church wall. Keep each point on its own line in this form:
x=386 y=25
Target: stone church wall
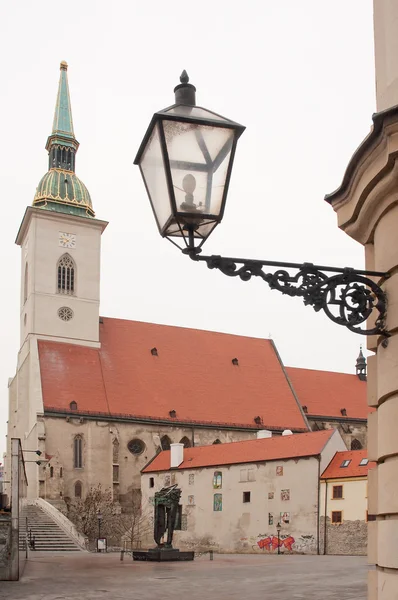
x=351 y=431
x=121 y=470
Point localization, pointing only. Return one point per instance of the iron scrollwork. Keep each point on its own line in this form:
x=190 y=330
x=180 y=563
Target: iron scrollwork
x=348 y=297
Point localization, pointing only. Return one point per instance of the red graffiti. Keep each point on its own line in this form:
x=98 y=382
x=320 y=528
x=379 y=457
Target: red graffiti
x=288 y=542
x=270 y=543
x=265 y=543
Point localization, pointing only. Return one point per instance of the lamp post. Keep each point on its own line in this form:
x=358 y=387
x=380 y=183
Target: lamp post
x=186 y=159
x=99 y=517
x=278 y=530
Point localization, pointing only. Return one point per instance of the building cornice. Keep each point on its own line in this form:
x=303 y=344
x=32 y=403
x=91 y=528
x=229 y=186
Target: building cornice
x=337 y=419
x=32 y=211
x=98 y=416
x=368 y=189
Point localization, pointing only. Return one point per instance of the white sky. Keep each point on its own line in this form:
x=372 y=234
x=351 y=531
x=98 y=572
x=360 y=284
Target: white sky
x=298 y=75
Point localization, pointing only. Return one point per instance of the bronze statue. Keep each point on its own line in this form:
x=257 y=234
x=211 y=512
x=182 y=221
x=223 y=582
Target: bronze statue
x=167 y=515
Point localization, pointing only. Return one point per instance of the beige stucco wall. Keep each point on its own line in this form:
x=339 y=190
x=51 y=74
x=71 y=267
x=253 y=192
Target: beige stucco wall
x=245 y=526
x=386 y=52
x=354 y=503
x=240 y=526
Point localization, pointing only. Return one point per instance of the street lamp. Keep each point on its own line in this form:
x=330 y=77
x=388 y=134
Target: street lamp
x=99 y=517
x=186 y=160
x=278 y=529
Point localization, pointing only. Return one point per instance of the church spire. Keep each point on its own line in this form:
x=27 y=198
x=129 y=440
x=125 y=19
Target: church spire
x=63 y=123
x=360 y=366
x=60 y=189
x=62 y=144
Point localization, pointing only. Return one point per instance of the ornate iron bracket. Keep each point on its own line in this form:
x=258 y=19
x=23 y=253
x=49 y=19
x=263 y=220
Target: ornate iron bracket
x=347 y=296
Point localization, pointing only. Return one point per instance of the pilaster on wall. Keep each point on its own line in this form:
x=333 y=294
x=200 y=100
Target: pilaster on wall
x=367 y=209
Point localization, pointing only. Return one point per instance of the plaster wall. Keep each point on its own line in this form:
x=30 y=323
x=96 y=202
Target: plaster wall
x=354 y=503
x=246 y=526
x=386 y=52
x=285 y=491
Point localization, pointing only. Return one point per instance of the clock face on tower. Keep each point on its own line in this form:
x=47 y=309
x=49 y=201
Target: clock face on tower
x=67 y=240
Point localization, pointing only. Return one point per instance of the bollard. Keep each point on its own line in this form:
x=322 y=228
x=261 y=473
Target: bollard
x=211 y=554
x=122 y=555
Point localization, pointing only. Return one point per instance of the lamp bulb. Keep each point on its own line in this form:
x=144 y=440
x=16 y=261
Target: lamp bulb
x=189 y=184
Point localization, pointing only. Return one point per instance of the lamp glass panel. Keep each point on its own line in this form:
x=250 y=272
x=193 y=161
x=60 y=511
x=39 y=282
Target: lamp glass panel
x=153 y=171
x=199 y=156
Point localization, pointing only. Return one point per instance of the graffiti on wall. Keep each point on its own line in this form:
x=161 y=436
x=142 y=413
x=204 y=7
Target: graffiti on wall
x=286 y=543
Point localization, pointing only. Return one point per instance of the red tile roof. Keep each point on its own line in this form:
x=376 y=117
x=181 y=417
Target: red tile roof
x=249 y=451
x=192 y=374
x=326 y=393
x=334 y=470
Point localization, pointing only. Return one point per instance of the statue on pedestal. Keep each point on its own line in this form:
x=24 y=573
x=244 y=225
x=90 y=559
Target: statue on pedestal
x=167 y=515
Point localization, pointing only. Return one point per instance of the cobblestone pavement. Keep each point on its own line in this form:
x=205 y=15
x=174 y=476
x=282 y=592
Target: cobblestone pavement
x=84 y=576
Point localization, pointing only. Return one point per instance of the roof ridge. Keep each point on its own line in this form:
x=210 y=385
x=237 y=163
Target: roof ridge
x=223 y=333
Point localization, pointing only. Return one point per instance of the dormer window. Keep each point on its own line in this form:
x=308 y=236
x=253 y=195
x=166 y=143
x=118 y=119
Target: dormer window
x=345 y=464
x=363 y=462
x=73 y=405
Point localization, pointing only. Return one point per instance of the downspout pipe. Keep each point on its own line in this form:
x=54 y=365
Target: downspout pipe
x=319 y=506
x=325 y=533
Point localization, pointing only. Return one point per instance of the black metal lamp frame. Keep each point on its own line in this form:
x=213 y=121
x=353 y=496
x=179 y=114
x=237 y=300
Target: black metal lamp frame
x=351 y=292
x=175 y=224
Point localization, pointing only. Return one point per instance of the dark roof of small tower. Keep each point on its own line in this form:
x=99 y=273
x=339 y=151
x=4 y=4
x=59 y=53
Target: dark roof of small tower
x=361 y=360
x=60 y=189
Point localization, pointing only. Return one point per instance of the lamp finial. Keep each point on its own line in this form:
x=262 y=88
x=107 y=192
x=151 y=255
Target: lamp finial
x=184 y=77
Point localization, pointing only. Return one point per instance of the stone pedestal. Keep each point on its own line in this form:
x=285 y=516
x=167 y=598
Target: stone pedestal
x=162 y=555
x=367 y=209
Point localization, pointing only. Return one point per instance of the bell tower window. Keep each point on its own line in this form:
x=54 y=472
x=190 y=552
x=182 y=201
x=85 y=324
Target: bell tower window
x=66 y=275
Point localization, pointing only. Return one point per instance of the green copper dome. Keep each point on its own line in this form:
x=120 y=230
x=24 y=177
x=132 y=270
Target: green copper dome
x=59 y=187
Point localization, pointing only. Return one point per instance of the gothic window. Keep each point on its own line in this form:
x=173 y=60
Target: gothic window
x=356 y=445
x=78 y=489
x=165 y=442
x=217 y=480
x=51 y=471
x=25 y=284
x=66 y=271
x=78 y=452
x=186 y=442
x=115 y=451
x=60 y=472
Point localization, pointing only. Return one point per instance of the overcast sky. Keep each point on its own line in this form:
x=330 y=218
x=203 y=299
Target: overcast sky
x=298 y=75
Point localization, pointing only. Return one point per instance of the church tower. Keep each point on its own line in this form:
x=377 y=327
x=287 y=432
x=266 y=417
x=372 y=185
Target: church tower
x=60 y=241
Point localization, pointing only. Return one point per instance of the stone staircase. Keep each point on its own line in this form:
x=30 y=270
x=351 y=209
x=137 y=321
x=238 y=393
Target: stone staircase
x=48 y=535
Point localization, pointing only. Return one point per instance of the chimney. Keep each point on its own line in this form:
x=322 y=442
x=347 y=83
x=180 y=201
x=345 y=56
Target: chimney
x=287 y=432
x=176 y=455
x=264 y=433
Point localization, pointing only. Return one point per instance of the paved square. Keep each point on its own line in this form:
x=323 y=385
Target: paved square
x=84 y=576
